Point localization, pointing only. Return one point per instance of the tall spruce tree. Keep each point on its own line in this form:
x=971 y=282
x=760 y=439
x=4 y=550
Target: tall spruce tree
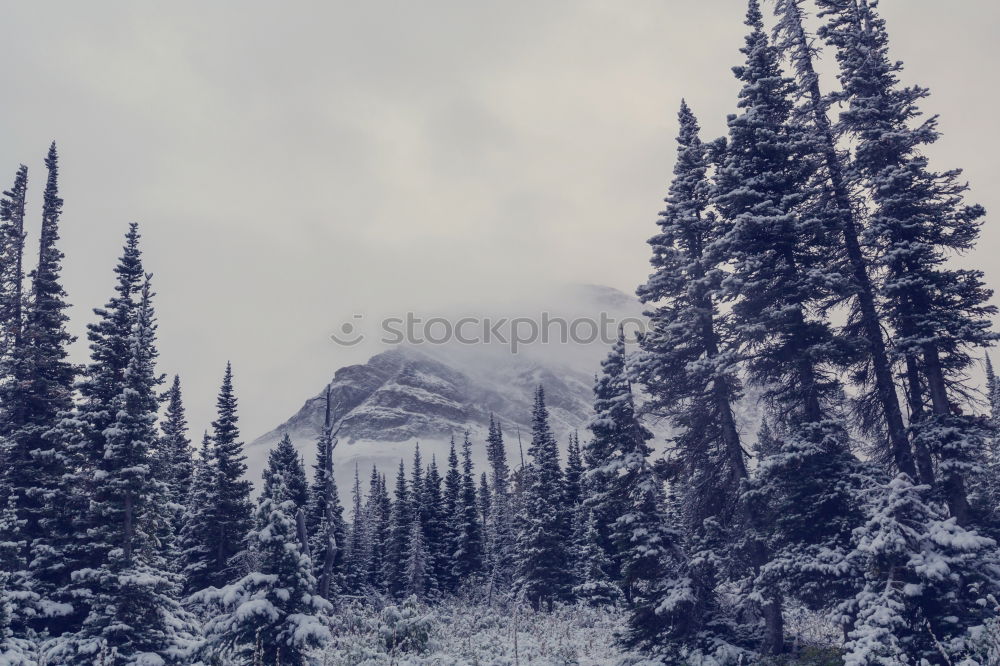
x=99 y=389
x=500 y=527
x=231 y=500
x=467 y=559
x=272 y=615
x=435 y=530
x=133 y=597
x=35 y=394
x=400 y=529
x=688 y=359
x=380 y=512
x=916 y=216
x=199 y=524
x=109 y=348
x=175 y=462
x=285 y=461
x=879 y=404
x=325 y=516
x=630 y=494
x=452 y=512
x=543 y=566
x=787 y=267
x=358 y=548
x=12 y=238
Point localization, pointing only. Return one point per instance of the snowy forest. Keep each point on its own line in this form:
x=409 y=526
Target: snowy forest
x=807 y=261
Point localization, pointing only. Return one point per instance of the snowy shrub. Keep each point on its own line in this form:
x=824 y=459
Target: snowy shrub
x=407 y=627
x=459 y=632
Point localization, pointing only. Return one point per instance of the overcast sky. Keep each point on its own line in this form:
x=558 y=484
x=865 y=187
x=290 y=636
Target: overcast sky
x=294 y=163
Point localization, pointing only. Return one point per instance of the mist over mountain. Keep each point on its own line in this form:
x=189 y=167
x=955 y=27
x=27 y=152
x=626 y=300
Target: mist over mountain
x=428 y=393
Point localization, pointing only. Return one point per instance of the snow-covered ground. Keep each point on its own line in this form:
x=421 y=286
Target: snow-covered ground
x=459 y=633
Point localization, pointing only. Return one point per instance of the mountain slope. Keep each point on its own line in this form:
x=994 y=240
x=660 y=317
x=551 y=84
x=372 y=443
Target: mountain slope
x=404 y=395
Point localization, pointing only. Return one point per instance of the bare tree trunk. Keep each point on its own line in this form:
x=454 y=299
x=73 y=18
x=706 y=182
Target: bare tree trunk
x=953 y=481
x=300 y=528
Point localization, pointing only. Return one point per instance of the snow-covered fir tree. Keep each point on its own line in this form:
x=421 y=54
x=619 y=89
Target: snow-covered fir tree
x=878 y=404
x=379 y=511
x=174 y=457
x=400 y=528
x=925 y=580
x=36 y=387
x=358 y=546
x=688 y=363
x=787 y=266
x=467 y=558
x=417 y=563
x=542 y=548
x=199 y=523
x=499 y=527
x=273 y=614
x=916 y=216
x=594 y=586
x=230 y=503
x=661 y=612
x=133 y=608
x=284 y=457
x=435 y=530
x=451 y=504
x=325 y=516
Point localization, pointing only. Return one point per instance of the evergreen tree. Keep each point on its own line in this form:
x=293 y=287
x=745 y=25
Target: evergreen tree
x=787 y=268
x=175 y=463
x=36 y=387
x=284 y=466
x=272 y=615
x=924 y=580
x=630 y=494
x=380 y=510
x=12 y=238
x=99 y=389
x=400 y=528
x=500 y=530
x=199 y=525
x=915 y=217
x=543 y=565
x=435 y=530
x=358 y=548
x=879 y=405
x=231 y=499
x=417 y=563
x=574 y=473
x=986 y=488
x=484 y=500
x=286 y=460
x=688 y=360
x=452 y=512
x=594 y=586
x=133 y=606
x=468 y=556
x=109 y=348
x=325 y=517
